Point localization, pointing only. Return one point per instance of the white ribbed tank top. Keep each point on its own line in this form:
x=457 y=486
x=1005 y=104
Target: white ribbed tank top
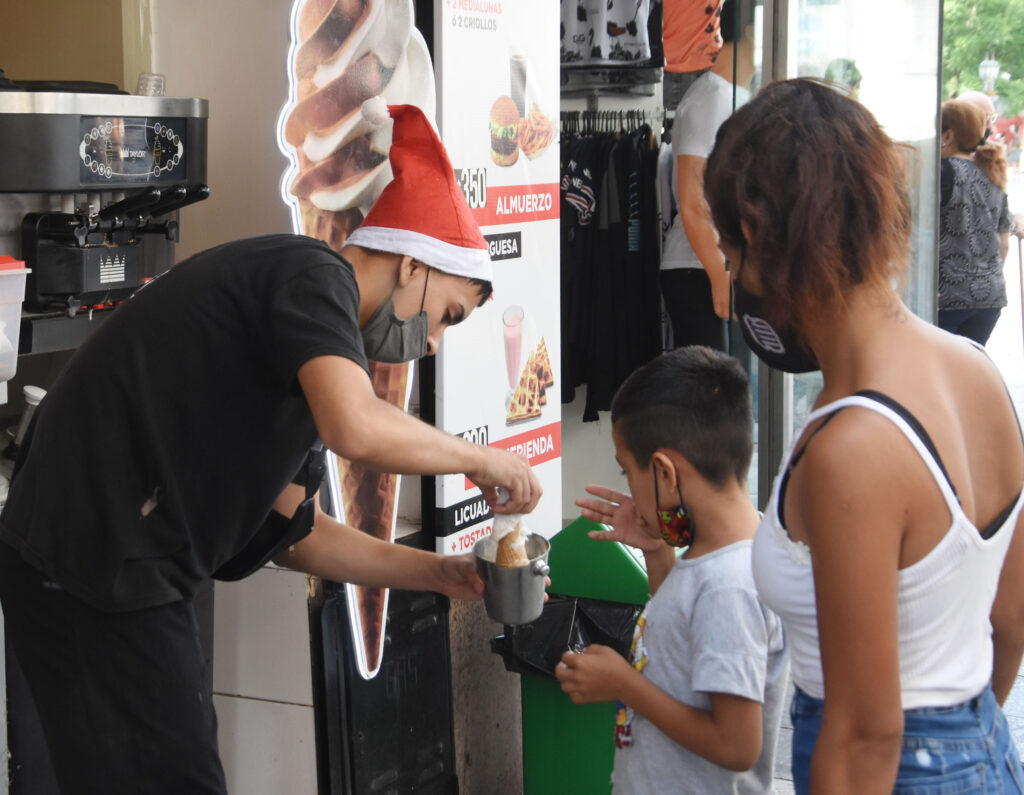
x=943 y=601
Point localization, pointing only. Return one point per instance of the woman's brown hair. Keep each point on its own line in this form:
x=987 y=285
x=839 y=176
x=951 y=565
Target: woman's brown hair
x=967 y=123
x=820 y=189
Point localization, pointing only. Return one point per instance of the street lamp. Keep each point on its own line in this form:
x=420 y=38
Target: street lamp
x=988 y=71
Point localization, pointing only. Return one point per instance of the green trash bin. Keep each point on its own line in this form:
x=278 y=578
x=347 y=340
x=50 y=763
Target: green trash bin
x=570 y=748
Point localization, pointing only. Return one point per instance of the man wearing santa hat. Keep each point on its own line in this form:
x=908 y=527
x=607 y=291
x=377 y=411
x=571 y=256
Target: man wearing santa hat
x=175 y=446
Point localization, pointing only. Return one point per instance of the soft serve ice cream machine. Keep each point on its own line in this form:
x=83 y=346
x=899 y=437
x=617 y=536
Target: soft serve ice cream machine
x=90 y=182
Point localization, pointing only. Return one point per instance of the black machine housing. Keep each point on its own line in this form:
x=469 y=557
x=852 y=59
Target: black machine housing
x=123 y=165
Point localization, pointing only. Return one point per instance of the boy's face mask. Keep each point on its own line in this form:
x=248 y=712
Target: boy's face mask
x=389 y=338
x=675 y=524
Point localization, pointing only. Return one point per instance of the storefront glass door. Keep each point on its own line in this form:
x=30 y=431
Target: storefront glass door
x=887 y=53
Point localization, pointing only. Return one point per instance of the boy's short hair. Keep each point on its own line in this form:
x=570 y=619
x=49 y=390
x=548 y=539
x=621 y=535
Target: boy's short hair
x=696 y=401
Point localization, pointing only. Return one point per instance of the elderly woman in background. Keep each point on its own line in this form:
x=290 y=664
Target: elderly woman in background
x=891 y=547
x=974 y=224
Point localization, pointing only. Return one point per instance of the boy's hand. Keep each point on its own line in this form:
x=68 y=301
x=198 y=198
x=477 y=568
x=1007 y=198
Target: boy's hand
x=592 y=675
x=617 y=510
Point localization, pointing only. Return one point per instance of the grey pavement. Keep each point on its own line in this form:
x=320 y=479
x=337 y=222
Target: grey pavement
x=1006 y=347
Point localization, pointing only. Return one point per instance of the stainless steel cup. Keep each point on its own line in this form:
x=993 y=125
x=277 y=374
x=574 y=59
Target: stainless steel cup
x=513 y=595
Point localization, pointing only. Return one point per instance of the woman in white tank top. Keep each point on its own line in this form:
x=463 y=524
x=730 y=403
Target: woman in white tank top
x=889 y=548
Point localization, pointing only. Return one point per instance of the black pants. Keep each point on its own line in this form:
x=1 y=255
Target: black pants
x=122 y=697
x=975 y=324
x=690 y=307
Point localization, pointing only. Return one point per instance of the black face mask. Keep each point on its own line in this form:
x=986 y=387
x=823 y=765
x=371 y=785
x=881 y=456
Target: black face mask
x=778 y=348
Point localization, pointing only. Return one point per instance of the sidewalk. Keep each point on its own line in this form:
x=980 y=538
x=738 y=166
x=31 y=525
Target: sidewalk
x=1006 y=347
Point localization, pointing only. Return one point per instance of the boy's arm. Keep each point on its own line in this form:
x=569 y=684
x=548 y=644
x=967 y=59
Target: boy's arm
x=729 y=734
x=659 y=563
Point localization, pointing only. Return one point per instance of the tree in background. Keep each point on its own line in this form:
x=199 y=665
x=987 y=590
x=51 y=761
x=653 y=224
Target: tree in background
x=973 y=29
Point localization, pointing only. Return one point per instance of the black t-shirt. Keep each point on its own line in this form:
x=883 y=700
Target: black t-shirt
x=161 y=448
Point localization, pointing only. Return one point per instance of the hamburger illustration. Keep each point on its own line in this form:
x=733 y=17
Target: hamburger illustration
x=504 y=131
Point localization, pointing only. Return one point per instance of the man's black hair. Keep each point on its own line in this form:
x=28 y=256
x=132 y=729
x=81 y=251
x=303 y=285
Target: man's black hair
x=696 y=401
x=485 y=287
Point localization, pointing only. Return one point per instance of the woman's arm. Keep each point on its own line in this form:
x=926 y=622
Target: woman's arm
x=850 y=505
x=700 y=230
x=1008 y=618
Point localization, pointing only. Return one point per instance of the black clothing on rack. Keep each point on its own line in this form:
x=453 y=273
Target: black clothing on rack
x=611 y=321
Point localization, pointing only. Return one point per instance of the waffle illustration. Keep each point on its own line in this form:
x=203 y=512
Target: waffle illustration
x=530 y=394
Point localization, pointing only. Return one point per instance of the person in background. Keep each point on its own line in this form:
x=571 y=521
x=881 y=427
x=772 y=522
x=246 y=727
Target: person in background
x=701 y=697
x=982 y=102
x=974 y=224
x=843 y=72
x=694 y=282
x=891 y=546
x=691 y=40
x=176 y=444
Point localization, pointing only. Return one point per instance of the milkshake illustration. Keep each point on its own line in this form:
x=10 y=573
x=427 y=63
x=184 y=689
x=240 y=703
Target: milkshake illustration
x=512 y=330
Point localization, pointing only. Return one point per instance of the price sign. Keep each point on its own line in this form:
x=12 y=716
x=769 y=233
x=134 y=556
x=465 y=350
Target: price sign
x=473 y=182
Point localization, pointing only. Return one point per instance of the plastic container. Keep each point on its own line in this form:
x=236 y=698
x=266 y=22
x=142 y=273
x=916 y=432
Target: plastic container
x=12 y=293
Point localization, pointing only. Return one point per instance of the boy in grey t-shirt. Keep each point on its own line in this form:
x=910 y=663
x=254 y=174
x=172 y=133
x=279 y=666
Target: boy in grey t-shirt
x=700 y=700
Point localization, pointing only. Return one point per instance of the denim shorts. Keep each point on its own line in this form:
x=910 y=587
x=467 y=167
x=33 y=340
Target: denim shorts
x=946 y=750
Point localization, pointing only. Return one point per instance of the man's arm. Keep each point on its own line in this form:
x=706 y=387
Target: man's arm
x=729 y=734
x=356 y=424
x=700 y=231
x=341 y=553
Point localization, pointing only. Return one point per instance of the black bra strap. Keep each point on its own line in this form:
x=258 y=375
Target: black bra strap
x=888 y=402
x=918 y=428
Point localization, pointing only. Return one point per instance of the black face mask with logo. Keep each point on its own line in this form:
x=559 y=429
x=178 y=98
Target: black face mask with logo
x=778 y=348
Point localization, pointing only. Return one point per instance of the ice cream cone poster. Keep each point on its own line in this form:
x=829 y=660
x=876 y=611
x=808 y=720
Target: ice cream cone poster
x=342 y=54
x=498 y=373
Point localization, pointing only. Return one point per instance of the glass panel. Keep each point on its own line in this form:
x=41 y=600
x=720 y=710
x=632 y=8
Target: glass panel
x=854 y=44
x=751 y=12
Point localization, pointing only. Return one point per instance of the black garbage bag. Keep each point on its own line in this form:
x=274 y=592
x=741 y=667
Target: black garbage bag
x=568 y=623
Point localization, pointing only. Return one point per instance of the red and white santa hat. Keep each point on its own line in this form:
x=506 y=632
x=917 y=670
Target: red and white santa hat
x=422 y=213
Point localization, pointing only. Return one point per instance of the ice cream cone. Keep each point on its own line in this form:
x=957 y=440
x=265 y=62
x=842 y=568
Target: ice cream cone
x=368 y=499
x=345 y=53
x=512 y=549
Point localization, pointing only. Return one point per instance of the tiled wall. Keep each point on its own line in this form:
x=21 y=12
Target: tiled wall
x=262 y=686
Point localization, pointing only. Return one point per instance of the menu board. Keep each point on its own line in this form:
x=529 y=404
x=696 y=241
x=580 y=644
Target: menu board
x=497 y=375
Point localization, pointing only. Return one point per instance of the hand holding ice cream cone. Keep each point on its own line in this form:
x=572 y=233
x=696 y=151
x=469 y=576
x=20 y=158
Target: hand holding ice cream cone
x=499 y=468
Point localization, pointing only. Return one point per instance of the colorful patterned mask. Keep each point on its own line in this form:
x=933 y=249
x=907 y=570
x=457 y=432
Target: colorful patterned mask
x=675 y=524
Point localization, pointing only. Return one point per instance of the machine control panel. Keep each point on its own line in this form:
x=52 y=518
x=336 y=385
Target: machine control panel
x=127 y=149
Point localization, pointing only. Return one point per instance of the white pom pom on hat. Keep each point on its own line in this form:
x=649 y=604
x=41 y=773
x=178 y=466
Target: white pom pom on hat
x=422 y=212
x=375 y=111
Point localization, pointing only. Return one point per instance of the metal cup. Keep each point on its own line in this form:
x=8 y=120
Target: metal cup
x=513 y=595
